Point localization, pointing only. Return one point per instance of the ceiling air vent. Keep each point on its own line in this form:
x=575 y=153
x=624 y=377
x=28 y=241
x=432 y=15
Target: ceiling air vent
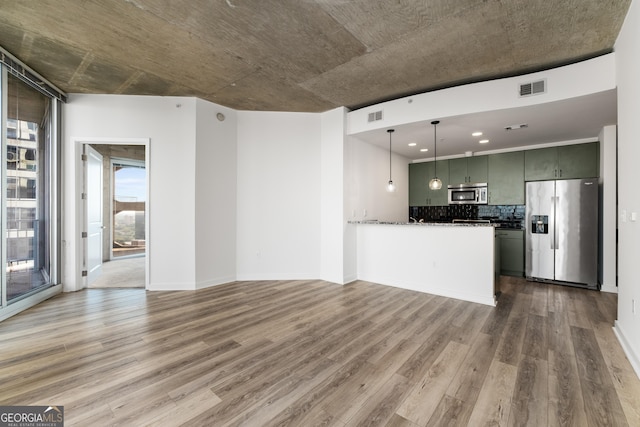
x=375 y=116
x=519 y=126
x=533 y=88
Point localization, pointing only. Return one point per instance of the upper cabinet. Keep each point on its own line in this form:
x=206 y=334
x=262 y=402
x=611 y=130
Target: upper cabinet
x=468 y=170
x=418 y=184
x=506 y=178
x=579 y=161
x=504 y=173
x=419 y=176
x=564 y=162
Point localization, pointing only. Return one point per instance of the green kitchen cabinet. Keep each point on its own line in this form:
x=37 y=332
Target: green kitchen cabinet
x=506 y=178
x=511 y=252
x=468 y=170
x=418 y=184
x=419 y=176
x=563 y=162
x=579 y=161
x=441 y=169
x=541 y=164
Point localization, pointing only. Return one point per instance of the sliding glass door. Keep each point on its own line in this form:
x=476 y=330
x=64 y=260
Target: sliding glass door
x=27 y=171
x=129 y=205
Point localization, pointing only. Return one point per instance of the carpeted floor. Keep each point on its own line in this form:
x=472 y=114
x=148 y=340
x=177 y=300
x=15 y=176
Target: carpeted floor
x=122 y=273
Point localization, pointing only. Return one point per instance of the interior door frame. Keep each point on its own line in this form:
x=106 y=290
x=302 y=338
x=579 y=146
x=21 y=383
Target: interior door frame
x=80 y=252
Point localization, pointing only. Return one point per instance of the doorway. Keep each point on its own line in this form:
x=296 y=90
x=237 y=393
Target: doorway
x=124 y=200
x=128 y=201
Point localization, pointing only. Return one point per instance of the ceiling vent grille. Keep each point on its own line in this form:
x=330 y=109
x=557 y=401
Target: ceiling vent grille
x=375 y=116
x=533 y=88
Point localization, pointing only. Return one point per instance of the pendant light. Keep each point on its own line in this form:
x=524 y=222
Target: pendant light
x=390 y=186
x=435 y=183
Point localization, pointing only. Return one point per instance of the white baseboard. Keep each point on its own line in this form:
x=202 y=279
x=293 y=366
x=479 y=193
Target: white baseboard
x=350 y=278
x=626 y=347
x=215 y=282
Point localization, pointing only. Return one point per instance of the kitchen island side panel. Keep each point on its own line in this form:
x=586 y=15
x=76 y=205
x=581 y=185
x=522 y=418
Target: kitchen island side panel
x=448 y=260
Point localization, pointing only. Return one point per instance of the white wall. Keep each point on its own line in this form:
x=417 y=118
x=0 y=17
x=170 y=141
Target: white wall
x=584 y=78
x=368 y=174
x=279 y=196
x=333 y=224
x=426 y=258
x=215 y=195
x=608 y=208
x=170 y=124
x=242 y=198
x=628 y=69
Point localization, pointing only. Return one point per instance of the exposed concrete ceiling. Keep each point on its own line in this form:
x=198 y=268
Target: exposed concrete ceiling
x=299 y=55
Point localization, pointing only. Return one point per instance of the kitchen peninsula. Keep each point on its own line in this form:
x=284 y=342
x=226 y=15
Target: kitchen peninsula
x=451 y=260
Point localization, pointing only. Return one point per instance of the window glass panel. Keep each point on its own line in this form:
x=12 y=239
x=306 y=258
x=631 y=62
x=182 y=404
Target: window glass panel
x=26 y=205
x=129 y=209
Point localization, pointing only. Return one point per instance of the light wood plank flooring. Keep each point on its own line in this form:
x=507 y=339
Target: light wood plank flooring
x=305 y=353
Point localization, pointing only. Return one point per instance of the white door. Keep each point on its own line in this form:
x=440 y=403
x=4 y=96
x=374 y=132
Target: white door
x=93 y=209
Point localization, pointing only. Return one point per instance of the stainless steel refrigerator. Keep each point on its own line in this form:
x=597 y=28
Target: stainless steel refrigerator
x=562 y=232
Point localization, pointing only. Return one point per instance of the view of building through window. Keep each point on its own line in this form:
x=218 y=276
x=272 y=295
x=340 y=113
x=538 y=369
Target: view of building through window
x=25 y=190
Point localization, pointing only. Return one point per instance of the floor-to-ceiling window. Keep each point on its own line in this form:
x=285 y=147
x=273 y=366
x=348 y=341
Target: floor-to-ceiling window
x=29 y=138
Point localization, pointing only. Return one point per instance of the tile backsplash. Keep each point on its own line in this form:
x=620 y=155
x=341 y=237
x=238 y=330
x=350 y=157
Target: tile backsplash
x=508 y=213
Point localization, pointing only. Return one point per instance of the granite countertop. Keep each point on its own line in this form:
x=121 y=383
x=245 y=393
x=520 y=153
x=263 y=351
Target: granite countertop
x=430 y=224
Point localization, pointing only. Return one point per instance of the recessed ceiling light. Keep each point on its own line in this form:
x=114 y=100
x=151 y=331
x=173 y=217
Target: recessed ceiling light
x=476 y=134
x=412 y=144
x=424 y=149
x=483 y=141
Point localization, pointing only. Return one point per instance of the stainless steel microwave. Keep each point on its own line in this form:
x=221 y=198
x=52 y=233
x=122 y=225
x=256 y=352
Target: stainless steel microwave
x=468 y=194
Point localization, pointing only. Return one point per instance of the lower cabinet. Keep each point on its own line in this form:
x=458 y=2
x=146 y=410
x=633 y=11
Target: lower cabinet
x=511 y=252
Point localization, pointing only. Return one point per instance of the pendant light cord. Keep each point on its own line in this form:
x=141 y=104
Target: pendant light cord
x=390 y=132
x=435 y=150
x=435 y=147
x=390 y=186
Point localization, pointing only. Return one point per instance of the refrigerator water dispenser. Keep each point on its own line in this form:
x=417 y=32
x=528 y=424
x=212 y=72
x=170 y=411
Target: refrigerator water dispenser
x=540 y=224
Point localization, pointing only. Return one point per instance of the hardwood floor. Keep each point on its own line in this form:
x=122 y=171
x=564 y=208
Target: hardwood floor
x=305 y=353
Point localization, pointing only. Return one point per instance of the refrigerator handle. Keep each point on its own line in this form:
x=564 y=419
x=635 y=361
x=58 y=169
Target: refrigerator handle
x=556 y=236
x=552 y=223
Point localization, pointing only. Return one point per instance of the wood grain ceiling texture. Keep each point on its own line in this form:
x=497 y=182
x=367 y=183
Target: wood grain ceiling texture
x=293 y=55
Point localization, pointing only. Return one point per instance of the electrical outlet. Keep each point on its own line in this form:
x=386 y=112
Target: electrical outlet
x=633 y=306
x=364 y=213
